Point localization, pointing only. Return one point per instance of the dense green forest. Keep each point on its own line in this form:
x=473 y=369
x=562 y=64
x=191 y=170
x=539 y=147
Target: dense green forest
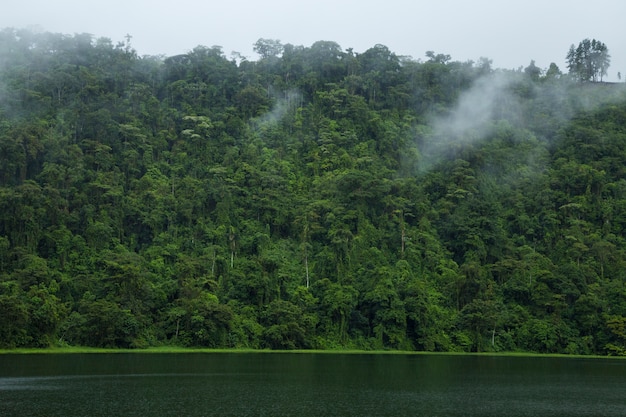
x=313 y=198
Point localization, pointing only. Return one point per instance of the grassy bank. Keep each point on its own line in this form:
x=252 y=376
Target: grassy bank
x=180 y=350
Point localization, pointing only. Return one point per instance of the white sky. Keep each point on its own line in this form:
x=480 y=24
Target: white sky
x=511 y=33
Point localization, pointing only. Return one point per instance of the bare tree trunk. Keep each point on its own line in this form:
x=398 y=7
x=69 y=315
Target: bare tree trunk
x=233 y=246
x=306 y=267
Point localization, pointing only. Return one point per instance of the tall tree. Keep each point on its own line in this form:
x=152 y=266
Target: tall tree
x=589 y=61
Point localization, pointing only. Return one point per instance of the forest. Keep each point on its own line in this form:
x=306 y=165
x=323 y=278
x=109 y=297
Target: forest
x=316 y=198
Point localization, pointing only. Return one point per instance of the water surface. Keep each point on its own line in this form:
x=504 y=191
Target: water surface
x=295 y=384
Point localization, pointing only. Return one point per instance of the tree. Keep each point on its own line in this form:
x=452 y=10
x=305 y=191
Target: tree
x=553 y=72
x=13 y=321
x=268 y=48
x=533 y=71
x=286 y=326
x=589 y=61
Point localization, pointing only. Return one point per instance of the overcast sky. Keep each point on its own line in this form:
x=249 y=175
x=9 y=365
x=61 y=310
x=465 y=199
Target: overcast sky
x=511 y=33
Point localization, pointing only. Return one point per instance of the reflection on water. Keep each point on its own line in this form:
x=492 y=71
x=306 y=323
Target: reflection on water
x=285 y=384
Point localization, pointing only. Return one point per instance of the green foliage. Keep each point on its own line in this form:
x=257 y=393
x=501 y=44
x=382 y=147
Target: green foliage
x=589 y=61
x=305 y=200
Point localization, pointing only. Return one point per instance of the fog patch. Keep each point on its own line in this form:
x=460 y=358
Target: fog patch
x=283 y=103
x=510 y=98
x=471 y=117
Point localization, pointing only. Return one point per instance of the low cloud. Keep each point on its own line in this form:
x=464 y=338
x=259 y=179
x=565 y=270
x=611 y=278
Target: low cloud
x=283 y=103
x=511 y=97
x=471 y=117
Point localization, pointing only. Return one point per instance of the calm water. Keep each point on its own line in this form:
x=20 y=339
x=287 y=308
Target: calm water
x=284 y=384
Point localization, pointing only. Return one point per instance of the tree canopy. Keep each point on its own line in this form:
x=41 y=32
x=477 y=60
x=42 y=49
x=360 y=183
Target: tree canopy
x=589 y=61
x=314 y=198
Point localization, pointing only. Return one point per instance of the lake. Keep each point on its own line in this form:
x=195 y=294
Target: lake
x=308 y=384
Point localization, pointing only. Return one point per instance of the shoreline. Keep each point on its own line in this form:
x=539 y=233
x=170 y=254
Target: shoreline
x=184 y=350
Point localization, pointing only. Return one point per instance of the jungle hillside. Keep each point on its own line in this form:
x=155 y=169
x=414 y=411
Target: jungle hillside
x=315 y=198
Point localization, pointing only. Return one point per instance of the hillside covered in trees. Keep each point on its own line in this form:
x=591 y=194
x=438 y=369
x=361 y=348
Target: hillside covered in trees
x=314 y=198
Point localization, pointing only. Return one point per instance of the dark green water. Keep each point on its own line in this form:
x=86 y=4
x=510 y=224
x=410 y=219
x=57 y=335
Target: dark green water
x=284 y=384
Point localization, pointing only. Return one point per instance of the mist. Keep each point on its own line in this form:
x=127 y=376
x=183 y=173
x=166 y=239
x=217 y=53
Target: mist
x=470 y=119
x=510 y=98
x=282 y=104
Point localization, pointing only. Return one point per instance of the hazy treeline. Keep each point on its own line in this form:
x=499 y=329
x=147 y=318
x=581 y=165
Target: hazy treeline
x=314 y=198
